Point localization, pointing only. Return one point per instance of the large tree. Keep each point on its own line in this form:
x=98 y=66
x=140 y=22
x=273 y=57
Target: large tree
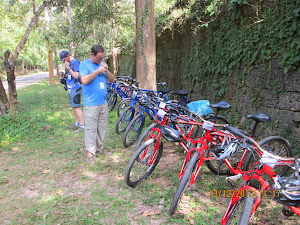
x=145 y=44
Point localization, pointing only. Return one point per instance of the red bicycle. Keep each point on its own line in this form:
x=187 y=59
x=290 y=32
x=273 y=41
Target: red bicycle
x=173 y=127
x=247 y=198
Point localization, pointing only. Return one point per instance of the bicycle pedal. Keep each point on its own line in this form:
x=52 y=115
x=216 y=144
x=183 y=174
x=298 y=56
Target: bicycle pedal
x=233 y=178
x=230 y=182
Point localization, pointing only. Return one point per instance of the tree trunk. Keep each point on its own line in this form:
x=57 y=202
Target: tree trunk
x=4 y=104
x=56 y=62
x=70 y=20
x=145 y=44
x=11 y=80
x=50 y=63
x=113 y=39
x=22 y=72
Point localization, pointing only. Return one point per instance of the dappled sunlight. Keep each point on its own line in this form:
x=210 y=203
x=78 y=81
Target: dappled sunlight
x=48 y=198
x=90 y=174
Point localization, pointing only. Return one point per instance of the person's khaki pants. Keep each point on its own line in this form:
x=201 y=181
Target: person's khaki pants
x=95 y=118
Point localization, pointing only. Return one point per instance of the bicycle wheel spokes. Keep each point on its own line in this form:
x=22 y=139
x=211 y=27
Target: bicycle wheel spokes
x=143 y=162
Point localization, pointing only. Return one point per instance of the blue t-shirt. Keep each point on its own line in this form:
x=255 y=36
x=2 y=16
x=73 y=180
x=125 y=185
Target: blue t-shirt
x=95 y=92
x=70 y=81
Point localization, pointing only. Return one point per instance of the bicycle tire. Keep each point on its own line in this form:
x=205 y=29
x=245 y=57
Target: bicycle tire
x=122 y=105
x=124 y=119
x=144 y=136
x=271 y=144
x=112 y=101
x=132 y=132
x=246 y=205
x=184 y=182
x=137 y=160
x=213 y=165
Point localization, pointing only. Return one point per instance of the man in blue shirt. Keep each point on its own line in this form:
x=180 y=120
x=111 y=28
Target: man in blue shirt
x=74 y=88
x=93 y=73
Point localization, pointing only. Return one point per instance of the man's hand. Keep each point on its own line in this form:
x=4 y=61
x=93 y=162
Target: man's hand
x=67 y=65
x=103 y=68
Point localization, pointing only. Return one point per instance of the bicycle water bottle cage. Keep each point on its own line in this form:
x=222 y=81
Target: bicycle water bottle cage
x=226 y=151
x=171 y=134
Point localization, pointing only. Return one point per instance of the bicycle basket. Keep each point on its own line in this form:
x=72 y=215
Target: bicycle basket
x=200 y=107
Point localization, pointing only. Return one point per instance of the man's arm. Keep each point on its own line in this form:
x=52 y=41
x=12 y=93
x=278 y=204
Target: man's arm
x=111 y=77
x=72 y=72
x=86 y=79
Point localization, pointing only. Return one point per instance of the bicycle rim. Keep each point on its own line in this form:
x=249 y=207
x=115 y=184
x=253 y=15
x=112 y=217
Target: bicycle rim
x=143 y=162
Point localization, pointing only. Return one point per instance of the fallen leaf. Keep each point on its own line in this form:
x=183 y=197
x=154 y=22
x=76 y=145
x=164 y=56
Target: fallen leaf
x=149 y=212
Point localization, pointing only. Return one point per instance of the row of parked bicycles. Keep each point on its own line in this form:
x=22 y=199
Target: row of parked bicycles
x=206 y=137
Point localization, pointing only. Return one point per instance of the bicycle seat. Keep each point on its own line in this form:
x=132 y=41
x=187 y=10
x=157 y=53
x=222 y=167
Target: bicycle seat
x=180 y=92
x=164 y=91
x=259 y=117
x=221 y=105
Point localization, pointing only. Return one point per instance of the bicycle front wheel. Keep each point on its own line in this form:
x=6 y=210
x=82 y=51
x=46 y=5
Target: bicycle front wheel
x=145 y=135
x=184 y=182
x=133 y=130
x=241 y=211
x=143 y=162
x=124 y=119
x=111 y=101
x=123 y=104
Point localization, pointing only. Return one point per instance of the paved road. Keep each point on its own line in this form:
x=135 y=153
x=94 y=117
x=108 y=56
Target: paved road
x=24 y=81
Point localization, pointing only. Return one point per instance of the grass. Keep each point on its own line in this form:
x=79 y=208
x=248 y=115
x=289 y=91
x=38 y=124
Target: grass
x=45 y=180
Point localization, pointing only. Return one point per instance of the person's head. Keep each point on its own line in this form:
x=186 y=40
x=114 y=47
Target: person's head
x=64 y=56
x=97 y=54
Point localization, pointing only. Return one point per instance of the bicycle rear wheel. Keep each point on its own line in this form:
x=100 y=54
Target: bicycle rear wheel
x=143 y=162
x=241 y=211
x=277 y=146
x=216 y=166
x=184 y=182
x=133 y=130
x=124 y=119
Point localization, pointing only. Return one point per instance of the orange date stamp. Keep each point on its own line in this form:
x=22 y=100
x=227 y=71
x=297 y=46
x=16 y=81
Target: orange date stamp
x=243 y=193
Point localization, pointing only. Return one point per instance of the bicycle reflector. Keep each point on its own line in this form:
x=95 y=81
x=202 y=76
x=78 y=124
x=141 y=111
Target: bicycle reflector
x=171 y=134
x=223 y=152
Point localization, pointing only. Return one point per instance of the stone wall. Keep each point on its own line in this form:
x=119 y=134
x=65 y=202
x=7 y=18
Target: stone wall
x=265 y=89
